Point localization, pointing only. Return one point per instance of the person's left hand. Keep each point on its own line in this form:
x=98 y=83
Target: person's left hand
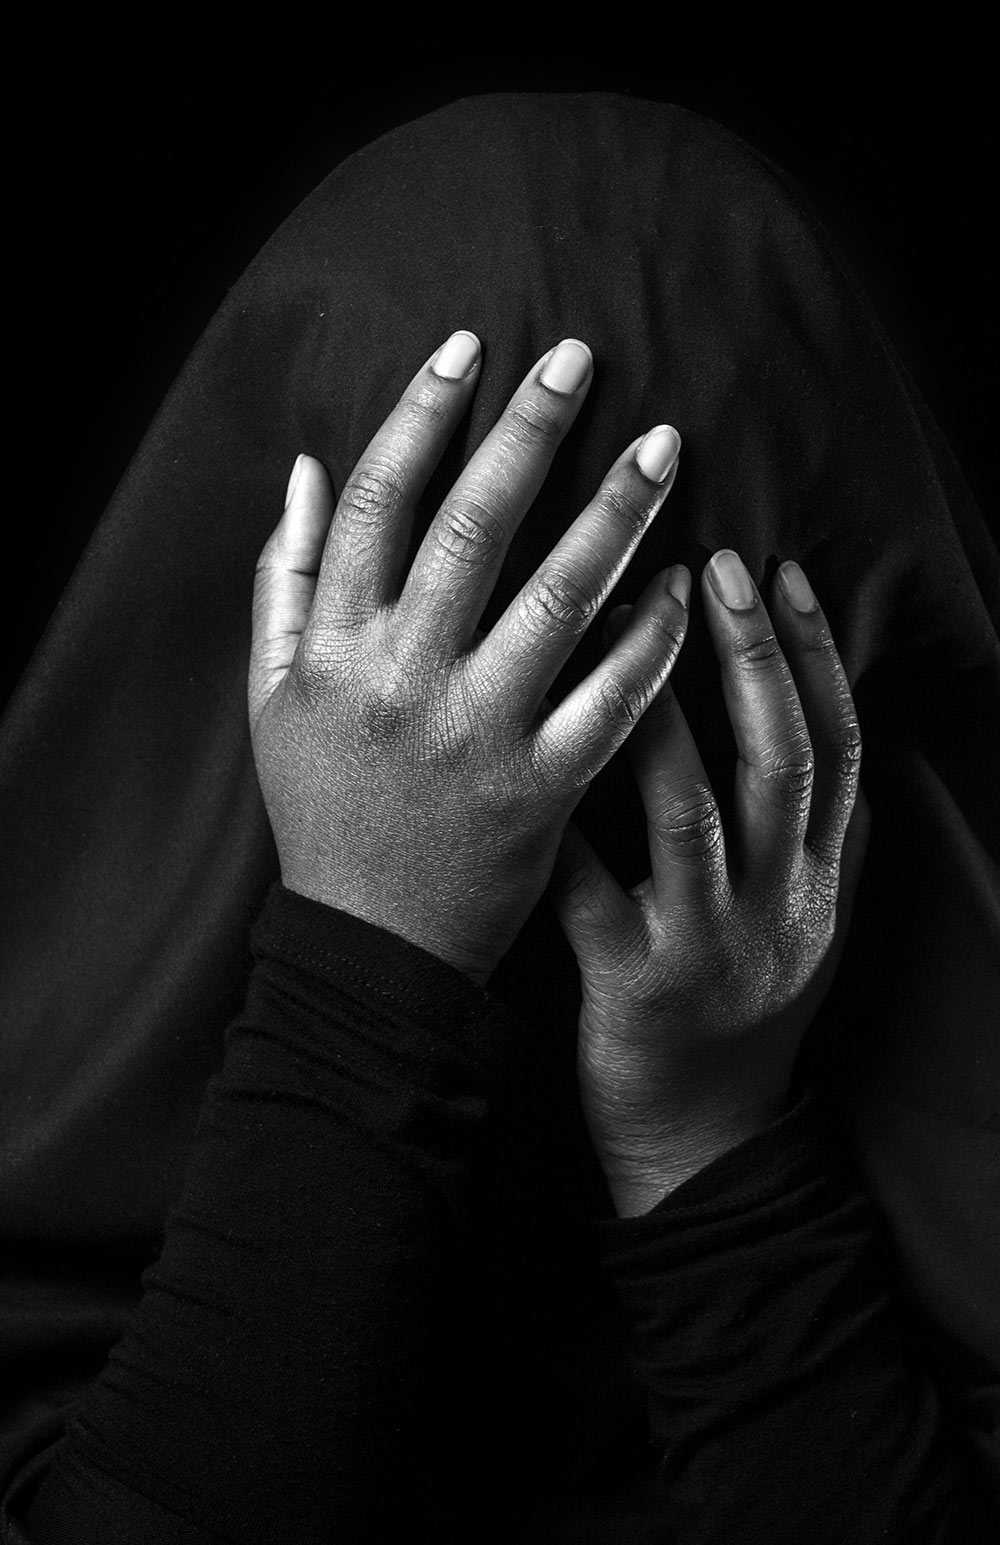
x=414 y=772
x=699 y=984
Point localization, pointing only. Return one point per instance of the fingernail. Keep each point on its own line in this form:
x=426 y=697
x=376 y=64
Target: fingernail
x=657 y=452
x=797 y=588
x=456 y=356
x=731 y=582
x=293 y=480
x=679 y=584
x=567 y=367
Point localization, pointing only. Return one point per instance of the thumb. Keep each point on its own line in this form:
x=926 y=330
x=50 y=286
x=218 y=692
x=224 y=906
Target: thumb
x=591 y=906
x=285 y=582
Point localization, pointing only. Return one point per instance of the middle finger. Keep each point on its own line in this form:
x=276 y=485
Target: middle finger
x=454 y=572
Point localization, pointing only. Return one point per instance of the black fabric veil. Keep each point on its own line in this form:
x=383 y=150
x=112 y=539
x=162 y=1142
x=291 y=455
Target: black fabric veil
x=135 y=846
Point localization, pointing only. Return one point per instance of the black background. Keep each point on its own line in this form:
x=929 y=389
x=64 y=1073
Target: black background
x=152 y=181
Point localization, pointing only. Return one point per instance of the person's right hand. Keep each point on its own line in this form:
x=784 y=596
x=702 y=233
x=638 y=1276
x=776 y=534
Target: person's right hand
x=413 y=771
x=699 y=984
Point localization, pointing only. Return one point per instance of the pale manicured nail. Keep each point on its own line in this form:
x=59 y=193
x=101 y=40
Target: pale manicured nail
x=731 y=582
x=797 y=588
x=567 y=367
x=679 y=584
x=293 y=480
x=657 y=452
x=456 y=356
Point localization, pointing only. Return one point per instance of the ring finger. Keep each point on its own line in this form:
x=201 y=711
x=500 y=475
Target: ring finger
x=543 y=624
x=774 y=774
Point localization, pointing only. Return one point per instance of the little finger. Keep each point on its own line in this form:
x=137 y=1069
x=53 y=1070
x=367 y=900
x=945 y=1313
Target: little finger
x=825 y=695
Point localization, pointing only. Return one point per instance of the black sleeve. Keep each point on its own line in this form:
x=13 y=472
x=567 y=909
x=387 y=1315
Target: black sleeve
x=272 y=1380
x=786 y=1397
x=277 y=1382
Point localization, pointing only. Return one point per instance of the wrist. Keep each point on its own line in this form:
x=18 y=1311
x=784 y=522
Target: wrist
x=379 y=914
x=646 y=1166
x=636 y=1190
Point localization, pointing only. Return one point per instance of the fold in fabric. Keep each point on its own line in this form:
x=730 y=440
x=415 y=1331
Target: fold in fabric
x=135 y=846
x=315 y=1355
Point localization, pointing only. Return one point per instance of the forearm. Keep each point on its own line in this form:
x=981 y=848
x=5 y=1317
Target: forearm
x=276 y=1377
x=786 y=1394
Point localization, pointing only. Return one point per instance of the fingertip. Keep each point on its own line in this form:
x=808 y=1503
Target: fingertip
x=457 y=357
x=307 y=472
x=726 y=578
x=795 y=588
x=306 y=519
x=657 y=453
x=293 y=480
x=567 y=367
x=679 y=584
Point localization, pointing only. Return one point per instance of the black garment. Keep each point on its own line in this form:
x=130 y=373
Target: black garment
x=318 y=1355
x=135 y=850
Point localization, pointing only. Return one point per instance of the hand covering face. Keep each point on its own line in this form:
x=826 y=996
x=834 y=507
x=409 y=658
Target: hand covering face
x=135 y=847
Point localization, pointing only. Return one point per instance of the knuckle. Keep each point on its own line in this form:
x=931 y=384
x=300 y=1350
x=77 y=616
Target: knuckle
x=794 y=771
x=531 y=423
x=426 y=406
x=622 y=705
x=380 y=719
x=383 y=706
x=561 y=600
x=670 y=633
x=819 y=645
x=618 y=504
x=469 y=532
x=847 y=752
x=371 y=491
x=460 y=719
x=762 y=653
x=313 y=664
x=689 y=822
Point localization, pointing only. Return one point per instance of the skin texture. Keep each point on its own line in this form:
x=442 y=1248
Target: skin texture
x=699 y=984
x=416 y=775
x=412 y=770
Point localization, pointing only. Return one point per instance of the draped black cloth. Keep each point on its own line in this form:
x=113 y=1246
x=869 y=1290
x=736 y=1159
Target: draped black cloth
x=136 y=850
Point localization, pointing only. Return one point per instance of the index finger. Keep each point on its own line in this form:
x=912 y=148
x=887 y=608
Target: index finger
x=370 y=534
